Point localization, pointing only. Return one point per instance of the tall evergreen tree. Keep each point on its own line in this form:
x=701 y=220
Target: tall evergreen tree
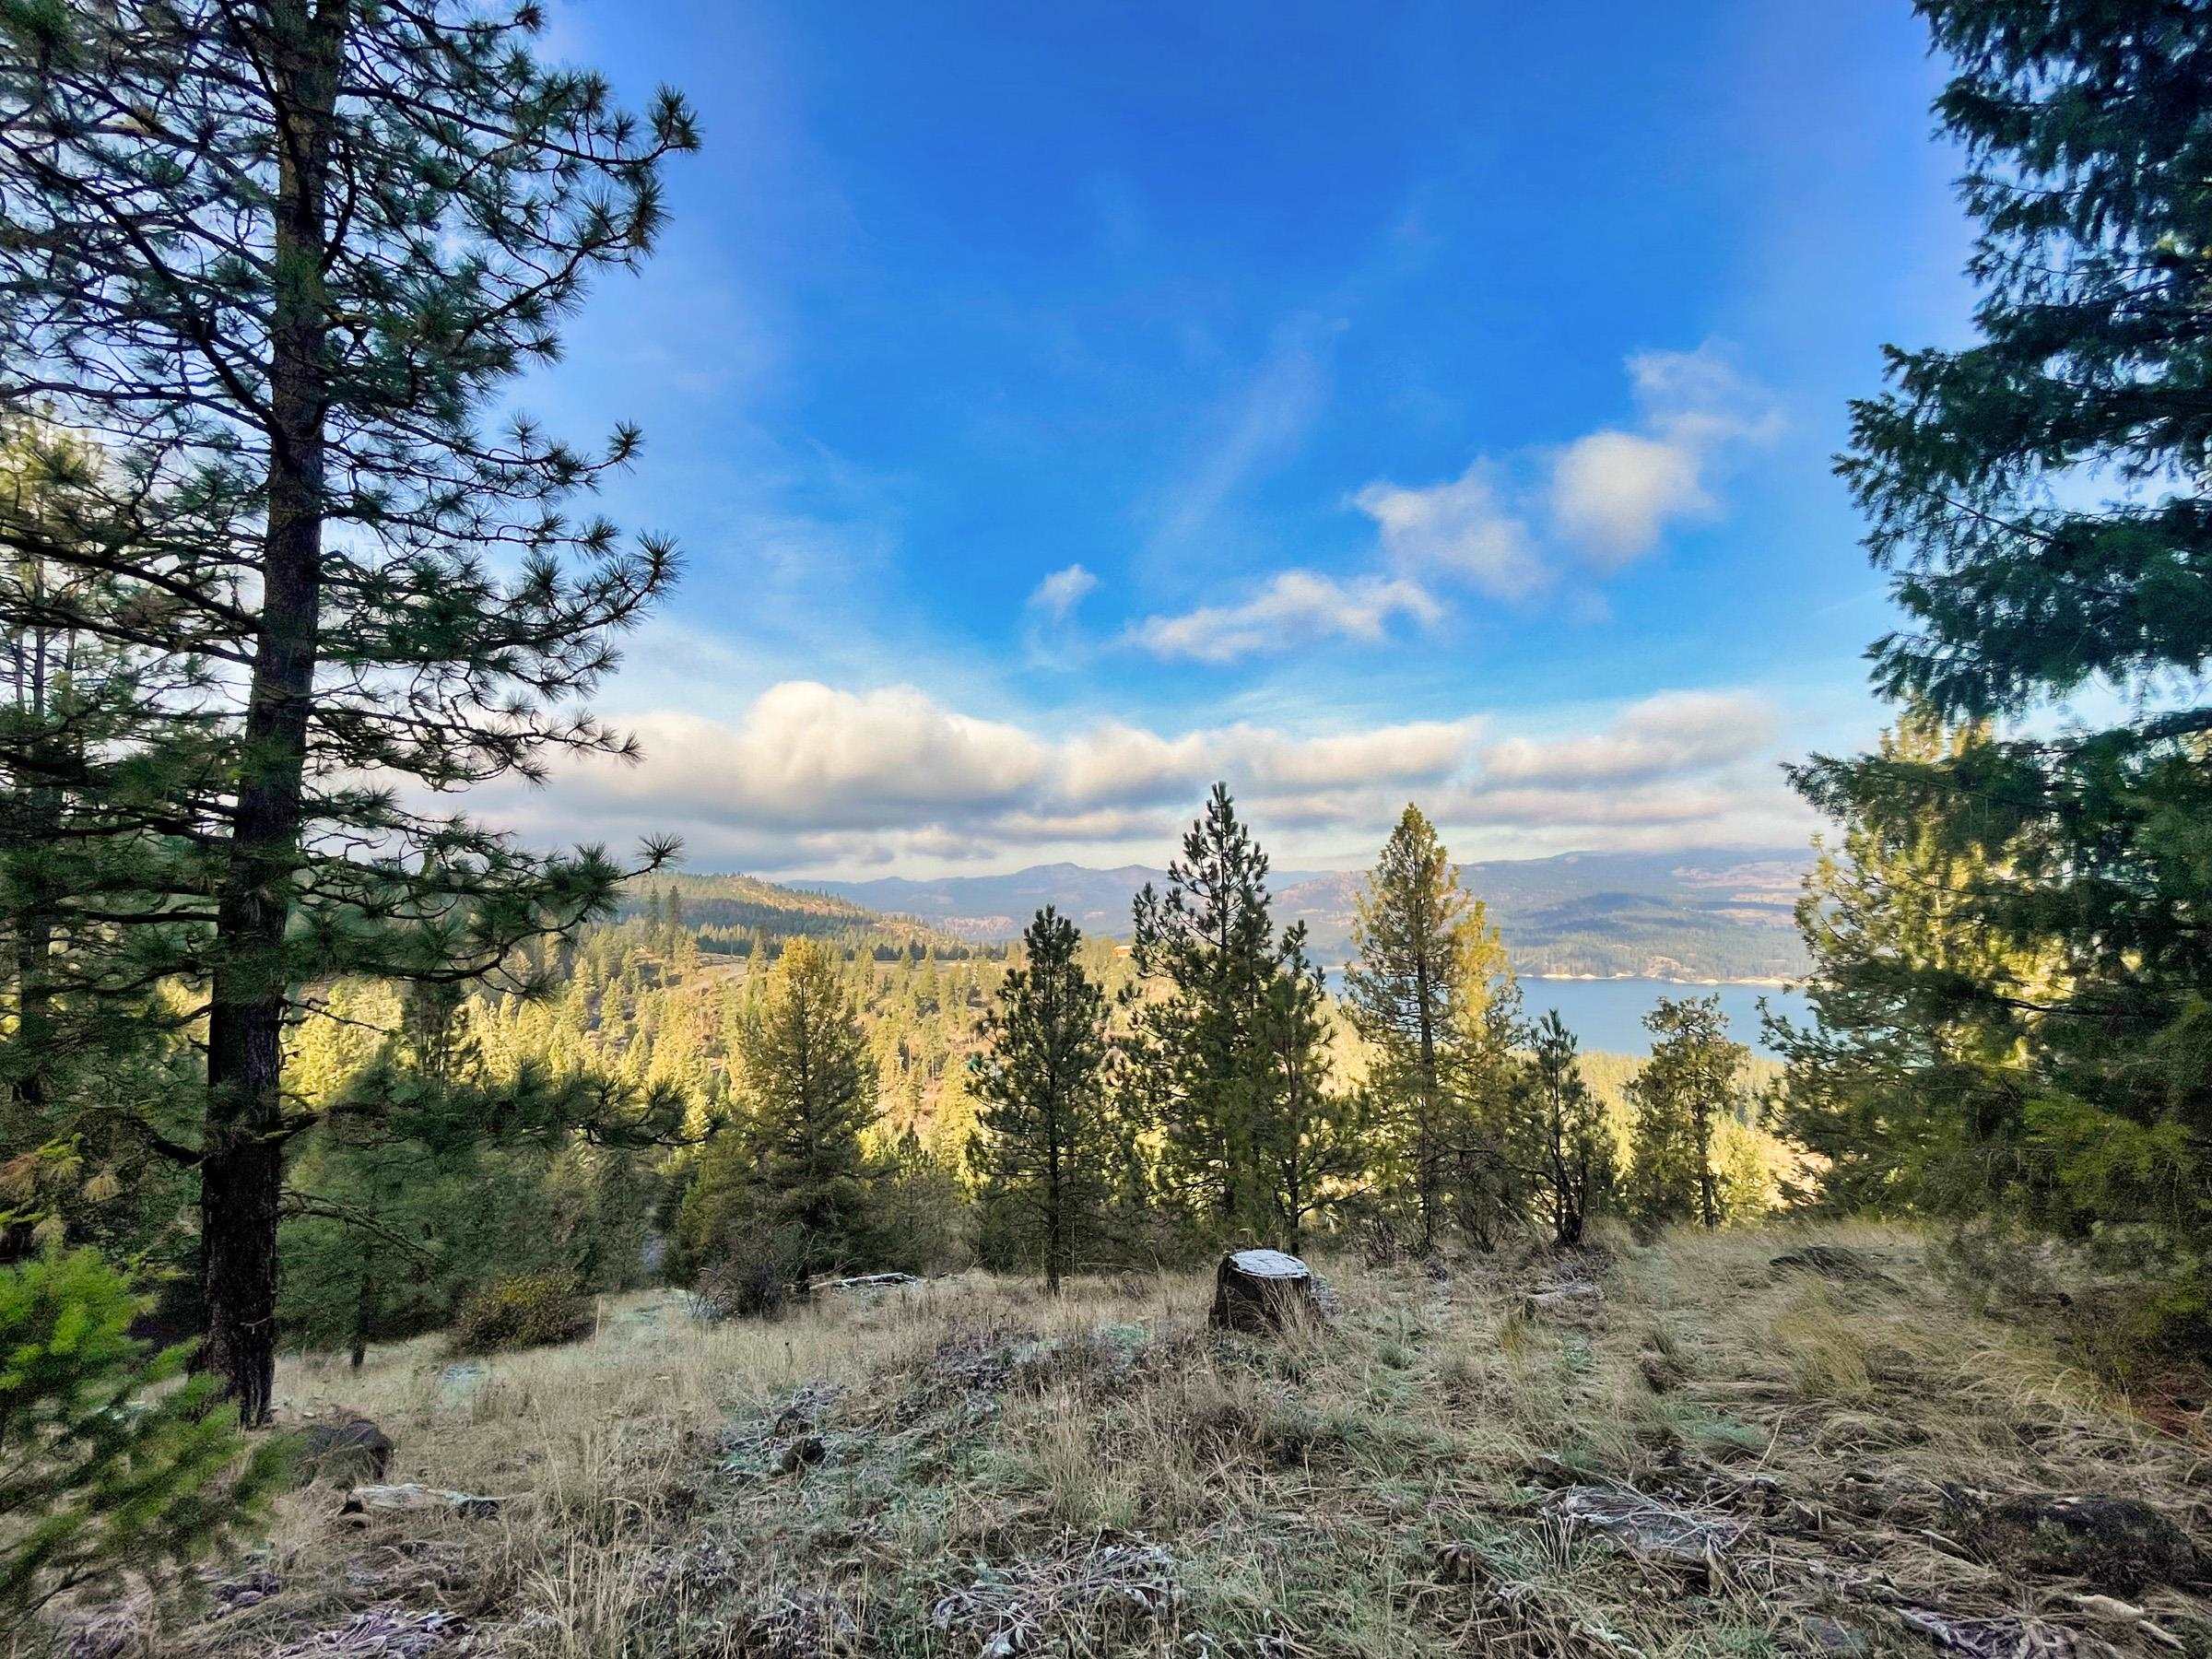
x=1692 y=1082
x=796 y=1166
x=2042 y=496
x=1208 y=943
x=1314 y=1134
x=280 y=261
x=1043 y=1147
x=1430 y=967
x=1574 y=1165
x=1491 y=1152
x=1404 y=992
x=81 y=1044
x=1908 y=1081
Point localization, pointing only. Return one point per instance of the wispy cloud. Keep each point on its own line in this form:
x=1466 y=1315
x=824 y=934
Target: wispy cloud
x=1509 y=528
x=1461 y=530
x=1614 y=492
x=1058 y=595
x=1291 y=609
x=1259 y=422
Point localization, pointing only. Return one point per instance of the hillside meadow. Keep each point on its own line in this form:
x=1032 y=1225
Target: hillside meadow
x=1713 y=1454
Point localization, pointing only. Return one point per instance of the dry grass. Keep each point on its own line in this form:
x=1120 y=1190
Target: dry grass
x=1103 y=1475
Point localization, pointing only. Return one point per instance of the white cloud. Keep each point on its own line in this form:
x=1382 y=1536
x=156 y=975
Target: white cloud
x=1461 y=529
x=1126 y=763
x=1508 y=528
x=1294 y=609
x=1613 y=493
x=1059 y=594
x=1394 y=755
x=808 y=776
x=1672 y=732
x=1118 y=762
x=805 y=754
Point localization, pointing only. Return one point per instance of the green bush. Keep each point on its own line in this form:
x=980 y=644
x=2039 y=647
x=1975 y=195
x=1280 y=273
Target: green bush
x=523 y=1310
x=100 y=1472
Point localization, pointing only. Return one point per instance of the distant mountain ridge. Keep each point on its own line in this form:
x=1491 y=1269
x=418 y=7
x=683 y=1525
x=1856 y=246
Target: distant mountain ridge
x=1700 y=915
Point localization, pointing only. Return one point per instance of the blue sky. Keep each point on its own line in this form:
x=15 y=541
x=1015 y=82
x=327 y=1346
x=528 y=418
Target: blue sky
x=1062 y=406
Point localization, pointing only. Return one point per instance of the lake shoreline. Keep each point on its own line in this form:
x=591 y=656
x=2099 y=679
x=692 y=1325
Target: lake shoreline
x=1657 y=979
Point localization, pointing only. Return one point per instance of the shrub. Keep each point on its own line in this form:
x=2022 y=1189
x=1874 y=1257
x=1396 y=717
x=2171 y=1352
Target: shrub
x=754 y=1275
x=521 y=1311
x=97 y=1473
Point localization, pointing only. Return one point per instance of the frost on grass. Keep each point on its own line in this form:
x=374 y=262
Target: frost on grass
x=1077 y=1601
x=1714 y=1455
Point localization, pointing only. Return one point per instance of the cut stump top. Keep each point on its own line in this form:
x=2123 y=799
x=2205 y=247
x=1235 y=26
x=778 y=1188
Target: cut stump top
x=1268 y=1264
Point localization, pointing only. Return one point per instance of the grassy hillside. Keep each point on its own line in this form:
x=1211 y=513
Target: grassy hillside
x=1719 y=1456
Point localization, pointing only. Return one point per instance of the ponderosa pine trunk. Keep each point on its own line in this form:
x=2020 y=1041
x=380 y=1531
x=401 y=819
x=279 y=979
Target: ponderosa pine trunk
x=34 y=995
x=241 y=1169
x=1424 y=1147
x=1709 y=1197
x=37 y=808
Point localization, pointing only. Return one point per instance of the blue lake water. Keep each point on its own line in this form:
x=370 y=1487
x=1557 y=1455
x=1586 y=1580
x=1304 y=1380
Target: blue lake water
x=1608 y=1015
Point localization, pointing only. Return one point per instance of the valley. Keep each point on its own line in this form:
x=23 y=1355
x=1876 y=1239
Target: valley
x=1683 y=916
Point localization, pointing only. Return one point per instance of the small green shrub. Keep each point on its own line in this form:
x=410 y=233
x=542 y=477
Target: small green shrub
x=521 y=1311
x=100 y=1474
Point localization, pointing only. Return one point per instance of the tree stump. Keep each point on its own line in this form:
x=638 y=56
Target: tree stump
x=1262 y=1290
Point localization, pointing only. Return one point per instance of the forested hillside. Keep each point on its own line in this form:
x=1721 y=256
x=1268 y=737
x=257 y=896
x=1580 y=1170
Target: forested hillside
x=728 y=914
x=1689 y=915
x=660 y=1005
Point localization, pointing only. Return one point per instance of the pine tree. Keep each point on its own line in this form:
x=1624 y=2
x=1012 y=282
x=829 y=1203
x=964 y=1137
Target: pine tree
x=1693 y=1080
x=91 y=1044
x=1197 y=1063
x=1489 y=1151
x=1429 y=977
x=105 y=1469
x=1314 y=1134
x=1908 y=1082
x=797 y=1168
x=2041 y=496
x=1043 y=1148
x=918 y=1220
x=1574 y=1163
x=278 y=264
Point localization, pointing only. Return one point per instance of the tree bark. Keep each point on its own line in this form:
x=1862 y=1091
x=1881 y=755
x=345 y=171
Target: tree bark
x=1709 y=1207
x=39 y=809
x=242 y=1154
